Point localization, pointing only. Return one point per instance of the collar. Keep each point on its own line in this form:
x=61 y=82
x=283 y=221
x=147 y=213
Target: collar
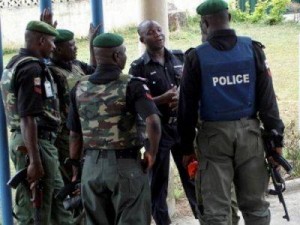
x=64 y=65
x=26 y=52
x=147 y=58
x=221 y=33
x=105 y=73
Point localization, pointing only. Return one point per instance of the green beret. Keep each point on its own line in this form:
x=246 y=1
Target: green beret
x=41 y=27
x=209 y=7
x=63 y=36
x=108 y=40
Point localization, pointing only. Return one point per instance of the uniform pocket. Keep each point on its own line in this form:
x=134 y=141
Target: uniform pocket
x=131 y=181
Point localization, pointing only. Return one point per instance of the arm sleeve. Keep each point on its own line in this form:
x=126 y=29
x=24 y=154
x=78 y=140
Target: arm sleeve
x=189 y=102
x=139 y=99
x=73 y=122
x=30 y=90
x=265 y=96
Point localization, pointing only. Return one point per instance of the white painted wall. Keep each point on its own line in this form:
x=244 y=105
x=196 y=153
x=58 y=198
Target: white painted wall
x=76 y=16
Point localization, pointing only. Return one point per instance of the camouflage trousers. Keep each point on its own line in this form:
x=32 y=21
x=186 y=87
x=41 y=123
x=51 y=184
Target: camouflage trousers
x=52 y=211
x=232 y=152
x=115 y=191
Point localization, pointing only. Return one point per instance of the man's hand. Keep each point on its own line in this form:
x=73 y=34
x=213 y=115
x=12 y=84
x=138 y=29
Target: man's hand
x=147 y=161
x=93 y=31
x=174 y=101
x=47 y=17
x=75 y=170
x=278 y=150
x=166 y=98
x=188 y=159
x=35 y=171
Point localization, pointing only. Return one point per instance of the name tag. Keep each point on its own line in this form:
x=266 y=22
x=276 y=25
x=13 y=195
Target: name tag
x=48 y=89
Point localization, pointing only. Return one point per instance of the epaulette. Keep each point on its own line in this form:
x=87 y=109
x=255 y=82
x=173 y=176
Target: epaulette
x=178 y=54
x=188 y=51
x=259 y=44
x=137 y=62
x=144 y=80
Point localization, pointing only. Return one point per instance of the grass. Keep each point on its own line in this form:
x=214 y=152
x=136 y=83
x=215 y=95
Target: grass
x=282 y=48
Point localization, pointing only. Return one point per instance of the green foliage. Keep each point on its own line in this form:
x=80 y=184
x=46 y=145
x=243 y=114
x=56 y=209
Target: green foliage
x=278 y=8
x=292 y=150
x=266 y=11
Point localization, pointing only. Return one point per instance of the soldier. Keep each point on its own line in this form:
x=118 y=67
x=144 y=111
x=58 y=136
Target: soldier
x=31 y=103
x=66 y=72
x=227 y=81
x=102 y=120
x=163 y=70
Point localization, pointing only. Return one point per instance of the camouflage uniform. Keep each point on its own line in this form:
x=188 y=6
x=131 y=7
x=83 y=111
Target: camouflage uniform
x=24 y=68
x=66 y=80
x=114 y=188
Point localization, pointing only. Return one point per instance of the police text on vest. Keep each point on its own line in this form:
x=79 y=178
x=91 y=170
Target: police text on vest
x=231 y=80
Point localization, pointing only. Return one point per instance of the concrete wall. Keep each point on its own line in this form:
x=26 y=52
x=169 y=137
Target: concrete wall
x=76 y=16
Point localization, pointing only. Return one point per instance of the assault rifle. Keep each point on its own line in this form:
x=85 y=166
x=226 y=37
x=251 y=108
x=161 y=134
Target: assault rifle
x=71 y=201
x=36 y=193
x=271 y=140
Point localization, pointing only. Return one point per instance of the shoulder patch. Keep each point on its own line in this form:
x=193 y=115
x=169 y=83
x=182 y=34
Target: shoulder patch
x=144 y=80
x=137 y=62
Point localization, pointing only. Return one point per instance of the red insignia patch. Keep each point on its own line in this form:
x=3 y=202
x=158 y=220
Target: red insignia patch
x=37 y=89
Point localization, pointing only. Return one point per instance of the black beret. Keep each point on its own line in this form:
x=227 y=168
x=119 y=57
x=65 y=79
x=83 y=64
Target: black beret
x=108 y=40
x=209 y=7
x=41 y=27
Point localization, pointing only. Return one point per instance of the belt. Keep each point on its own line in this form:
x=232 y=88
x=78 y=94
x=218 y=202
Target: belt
x=47 y=135
x=130 y=153
x=42 y=134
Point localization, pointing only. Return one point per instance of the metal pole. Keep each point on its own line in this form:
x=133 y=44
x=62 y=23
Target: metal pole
x=97 y=14
x=299 y=83
x=6 y=206
x=45 y=4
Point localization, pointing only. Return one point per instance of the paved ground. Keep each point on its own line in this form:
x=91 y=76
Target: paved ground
x=292 y=199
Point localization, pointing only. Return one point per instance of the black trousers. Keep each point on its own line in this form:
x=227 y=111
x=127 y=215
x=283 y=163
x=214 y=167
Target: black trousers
x=160 y=176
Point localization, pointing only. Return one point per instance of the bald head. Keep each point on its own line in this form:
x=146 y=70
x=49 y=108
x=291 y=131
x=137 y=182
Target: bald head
x=143 y=26
x=151 y=35
x=115 y=56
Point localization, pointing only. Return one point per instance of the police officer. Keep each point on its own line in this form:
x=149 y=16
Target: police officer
x=234 y=218
x=163 y=70
x=228 y=81
x=31 y=104
x=66 y=72
x=103 y=122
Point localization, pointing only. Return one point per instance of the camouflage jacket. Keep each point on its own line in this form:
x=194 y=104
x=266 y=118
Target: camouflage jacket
x=105 y=120
x=65 y=80
x=50 y=114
